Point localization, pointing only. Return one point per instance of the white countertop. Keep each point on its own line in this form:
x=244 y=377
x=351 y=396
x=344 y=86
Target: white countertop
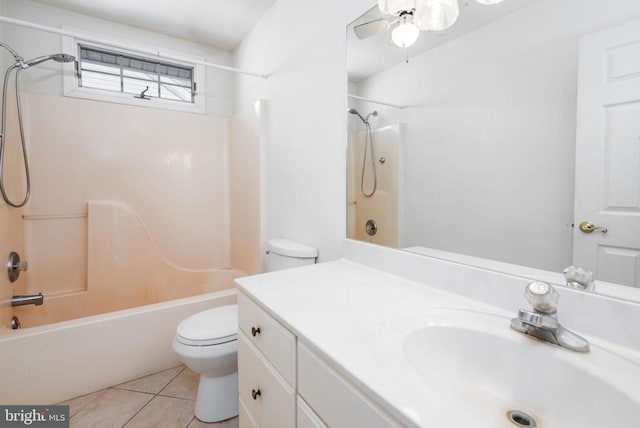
x=355 y=316
x=340 y=309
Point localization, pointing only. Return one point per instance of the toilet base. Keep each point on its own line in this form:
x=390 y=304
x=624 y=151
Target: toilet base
x=217 y=398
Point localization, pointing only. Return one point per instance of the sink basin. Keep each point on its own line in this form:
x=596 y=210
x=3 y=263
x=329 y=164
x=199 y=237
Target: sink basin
x=488 y=375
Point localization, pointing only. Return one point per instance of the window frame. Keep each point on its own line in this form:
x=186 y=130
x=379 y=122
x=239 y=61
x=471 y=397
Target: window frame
x=71 y=87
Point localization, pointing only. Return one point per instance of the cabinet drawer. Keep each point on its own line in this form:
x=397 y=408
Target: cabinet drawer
x=274 y=404
x=336 y=400
x=276 y=342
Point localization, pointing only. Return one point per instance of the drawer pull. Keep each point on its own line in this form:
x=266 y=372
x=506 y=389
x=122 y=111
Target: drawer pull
x=255 y=394
x=255 y=331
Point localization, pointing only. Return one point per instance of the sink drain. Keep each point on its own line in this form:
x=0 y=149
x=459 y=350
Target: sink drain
x=521 y=419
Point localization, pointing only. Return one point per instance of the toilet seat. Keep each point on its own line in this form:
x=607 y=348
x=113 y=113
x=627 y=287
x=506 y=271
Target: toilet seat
x=211 y=327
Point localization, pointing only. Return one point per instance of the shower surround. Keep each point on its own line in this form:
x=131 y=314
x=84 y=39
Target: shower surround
x=132 y=206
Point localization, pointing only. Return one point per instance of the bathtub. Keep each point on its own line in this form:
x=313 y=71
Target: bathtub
x=55 y=362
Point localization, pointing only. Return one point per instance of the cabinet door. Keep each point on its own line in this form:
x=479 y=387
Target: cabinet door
x=245 y=419
x=276 y=342
x=268 y=400
x=334 y=399
x=306 y=417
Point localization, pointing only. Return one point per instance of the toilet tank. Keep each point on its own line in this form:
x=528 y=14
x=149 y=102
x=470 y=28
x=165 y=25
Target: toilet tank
x=285 y=254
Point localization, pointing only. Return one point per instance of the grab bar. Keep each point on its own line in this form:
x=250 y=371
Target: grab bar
x=35 y=299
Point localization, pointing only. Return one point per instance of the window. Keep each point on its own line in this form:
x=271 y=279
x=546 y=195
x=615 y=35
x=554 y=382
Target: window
x=140 y=77
x=134 y=75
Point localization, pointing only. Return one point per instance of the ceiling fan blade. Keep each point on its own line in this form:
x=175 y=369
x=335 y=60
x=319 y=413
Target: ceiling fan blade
x=371 y=28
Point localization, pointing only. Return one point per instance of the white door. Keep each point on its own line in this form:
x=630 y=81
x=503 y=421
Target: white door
x=607 y=192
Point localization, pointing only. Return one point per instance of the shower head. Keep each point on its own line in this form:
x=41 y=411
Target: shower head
x=55 y=57
x=354 y=111
x=63 y=58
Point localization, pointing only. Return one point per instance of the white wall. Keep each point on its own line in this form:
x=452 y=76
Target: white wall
x=302 y=44
x=490 y=134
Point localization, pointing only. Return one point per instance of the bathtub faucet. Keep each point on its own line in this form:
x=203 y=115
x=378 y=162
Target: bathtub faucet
x=35 y=299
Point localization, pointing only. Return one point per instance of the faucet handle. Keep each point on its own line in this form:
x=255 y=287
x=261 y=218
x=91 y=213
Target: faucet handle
x=15 y=266
x=579 y=277
x=542 y=296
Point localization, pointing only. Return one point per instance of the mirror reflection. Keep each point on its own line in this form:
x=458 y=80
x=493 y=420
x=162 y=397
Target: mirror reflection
x=498 y=136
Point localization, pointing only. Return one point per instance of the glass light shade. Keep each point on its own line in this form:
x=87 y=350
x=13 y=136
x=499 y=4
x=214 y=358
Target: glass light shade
x=405 y=34
x=436 y=15
x=390 y=7
x=488 y=1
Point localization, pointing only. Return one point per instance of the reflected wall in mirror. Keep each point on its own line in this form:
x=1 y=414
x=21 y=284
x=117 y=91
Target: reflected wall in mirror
x=515 y=124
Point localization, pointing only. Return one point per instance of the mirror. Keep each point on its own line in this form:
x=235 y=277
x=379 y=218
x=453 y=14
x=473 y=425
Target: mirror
x=475 y=136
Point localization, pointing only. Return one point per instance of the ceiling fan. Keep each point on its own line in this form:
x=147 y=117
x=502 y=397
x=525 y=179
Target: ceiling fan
x=409 y=17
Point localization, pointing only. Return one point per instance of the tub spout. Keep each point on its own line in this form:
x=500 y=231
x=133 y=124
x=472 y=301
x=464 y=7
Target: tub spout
x=35 y=299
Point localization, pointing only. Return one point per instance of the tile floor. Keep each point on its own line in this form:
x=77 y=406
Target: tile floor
x=164 y=399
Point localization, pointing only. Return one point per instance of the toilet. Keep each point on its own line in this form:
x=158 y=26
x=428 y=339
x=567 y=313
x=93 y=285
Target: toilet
x=286 y=254
x=206 y=342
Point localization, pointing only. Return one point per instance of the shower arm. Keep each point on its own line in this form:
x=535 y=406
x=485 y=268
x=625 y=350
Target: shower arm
x=19 y=59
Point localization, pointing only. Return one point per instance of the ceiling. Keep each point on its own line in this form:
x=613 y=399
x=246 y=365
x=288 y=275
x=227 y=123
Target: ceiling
x=219 y=23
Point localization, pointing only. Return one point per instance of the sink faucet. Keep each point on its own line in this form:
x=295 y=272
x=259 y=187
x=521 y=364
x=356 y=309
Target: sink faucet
x=542 y=322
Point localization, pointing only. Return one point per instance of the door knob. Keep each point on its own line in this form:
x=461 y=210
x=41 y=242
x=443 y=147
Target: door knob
x=588 y=227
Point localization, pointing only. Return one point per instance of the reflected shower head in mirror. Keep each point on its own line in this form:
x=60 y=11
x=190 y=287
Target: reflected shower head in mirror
x=368 y=146
x=354 y=111
x=365 y=120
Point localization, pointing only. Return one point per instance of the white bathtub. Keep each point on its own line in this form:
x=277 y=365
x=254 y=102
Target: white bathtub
x=59 y=361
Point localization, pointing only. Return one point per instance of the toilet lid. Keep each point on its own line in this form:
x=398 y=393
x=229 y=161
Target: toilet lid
x=210 y=327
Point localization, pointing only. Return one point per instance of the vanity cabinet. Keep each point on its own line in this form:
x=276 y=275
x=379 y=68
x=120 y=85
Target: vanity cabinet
x=283 y=383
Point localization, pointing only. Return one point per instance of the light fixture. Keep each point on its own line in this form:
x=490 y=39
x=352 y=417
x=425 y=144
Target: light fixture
x=406 y=33
x=416 y=15
x=436 y=15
